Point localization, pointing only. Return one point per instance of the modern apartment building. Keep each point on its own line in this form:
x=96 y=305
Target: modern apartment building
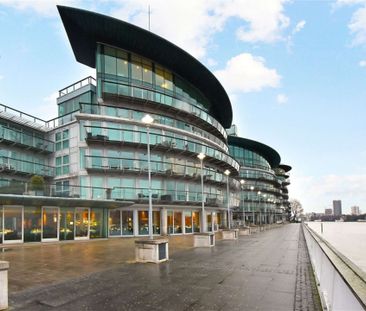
x=84 y=174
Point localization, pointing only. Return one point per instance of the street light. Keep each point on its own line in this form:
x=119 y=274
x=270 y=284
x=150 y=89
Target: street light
x=227 y=173
x=242 y=182
x=260 y=210
x=251 y=197
x=201 y=156
x=265 y=209
x=147 y=119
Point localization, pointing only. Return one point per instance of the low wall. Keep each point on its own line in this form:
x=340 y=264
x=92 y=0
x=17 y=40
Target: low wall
x=342 y=285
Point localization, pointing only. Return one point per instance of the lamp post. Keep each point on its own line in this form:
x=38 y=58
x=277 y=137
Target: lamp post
x=260 y=210
x=227 y=173
x=265 y=209
x=251 y=189
x=201 y=156
x=242 y=182
x=147 y=119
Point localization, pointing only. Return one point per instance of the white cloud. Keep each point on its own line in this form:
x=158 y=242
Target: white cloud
x=1 y=77
x=264 y=19
x=41 y=7
x=191 y=24
x=299 y=26
x=247 y=73
x=357 y=24
x=362 y=63
x=282 y=99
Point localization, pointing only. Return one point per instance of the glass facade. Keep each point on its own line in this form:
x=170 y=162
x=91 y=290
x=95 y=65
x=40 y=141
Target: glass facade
x=97 y=150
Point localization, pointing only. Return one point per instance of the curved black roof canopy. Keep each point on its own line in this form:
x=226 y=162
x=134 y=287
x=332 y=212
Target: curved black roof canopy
x=265 y=151
x=85 y=29
x=285 y=167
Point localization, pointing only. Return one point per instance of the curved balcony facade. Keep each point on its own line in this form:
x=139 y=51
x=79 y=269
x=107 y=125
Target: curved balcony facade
x=261 y=194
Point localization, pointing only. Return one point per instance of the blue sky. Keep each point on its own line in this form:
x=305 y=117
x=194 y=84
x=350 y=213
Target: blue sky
x=294 y=70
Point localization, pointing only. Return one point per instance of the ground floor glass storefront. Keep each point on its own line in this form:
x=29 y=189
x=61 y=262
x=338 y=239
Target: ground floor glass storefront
x=50 y=223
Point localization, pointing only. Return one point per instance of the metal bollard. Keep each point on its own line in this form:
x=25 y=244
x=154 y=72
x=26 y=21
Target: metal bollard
x=321 y=228
x=4 y=267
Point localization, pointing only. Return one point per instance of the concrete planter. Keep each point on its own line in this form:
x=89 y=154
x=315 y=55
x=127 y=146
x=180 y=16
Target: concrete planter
x=155 y=251
x=253 y=230
x=230 y=234
x=245 y=231
x=204 y=239
x=4 y=267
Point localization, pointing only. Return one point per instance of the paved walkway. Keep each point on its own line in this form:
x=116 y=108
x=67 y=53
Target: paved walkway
x=258 y=272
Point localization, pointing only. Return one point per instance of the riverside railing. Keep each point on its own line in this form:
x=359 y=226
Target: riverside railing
x=341 y=283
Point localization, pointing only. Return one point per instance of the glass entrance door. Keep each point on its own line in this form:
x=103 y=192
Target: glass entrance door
x=13 y=224
x=82 y=220
x=50 y=224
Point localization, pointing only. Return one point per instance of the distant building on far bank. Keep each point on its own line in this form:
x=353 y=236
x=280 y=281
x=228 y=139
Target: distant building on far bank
x=328 y=211
x=337 y=207
x=355 y=210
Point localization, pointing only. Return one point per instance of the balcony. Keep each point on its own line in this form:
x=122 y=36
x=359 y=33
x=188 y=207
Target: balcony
x=24 y=140
x=21 y=167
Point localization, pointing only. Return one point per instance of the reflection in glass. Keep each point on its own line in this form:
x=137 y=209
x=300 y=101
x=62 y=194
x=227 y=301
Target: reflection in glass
x=177 y=222
x=209 y=222
x=96 y=223
x=196 y=221
x=81 y=223
x=67 y=224
x=12 y=223
x=127 y=222
x=32 y=224
x=115 y=223
x=50 y=223
x=143 y=218
x=188 y=222
x=170 y=222
x=156 y=222
x=1 y=225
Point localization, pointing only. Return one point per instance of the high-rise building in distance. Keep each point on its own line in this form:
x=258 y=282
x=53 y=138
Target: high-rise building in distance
x=337 y=207
x=355 y=210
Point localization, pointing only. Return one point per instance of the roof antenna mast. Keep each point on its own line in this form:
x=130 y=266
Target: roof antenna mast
x=149 y=13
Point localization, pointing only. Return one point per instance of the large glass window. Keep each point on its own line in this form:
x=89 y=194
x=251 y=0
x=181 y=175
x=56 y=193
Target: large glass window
x=114 y=222
x=127 y=222
x=143 y=220
x=32 y=224
x=96 y=223
x=66 y=224
x=196 y=221
x=170 y=221
x=50 y=218
x=156 y=222
x=13 y=223
x=82 y=223
x=177 y=222
x=188 y=222
x=62 y=165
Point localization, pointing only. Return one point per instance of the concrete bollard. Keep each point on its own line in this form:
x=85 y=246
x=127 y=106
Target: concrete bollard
x=4 y=267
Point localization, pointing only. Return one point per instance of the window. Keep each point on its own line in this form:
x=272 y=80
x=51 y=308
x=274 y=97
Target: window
x=62 y=165
x=62 y=188
x=62 y=140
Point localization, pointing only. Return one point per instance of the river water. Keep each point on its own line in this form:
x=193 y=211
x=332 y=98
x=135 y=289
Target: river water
x=349 y=238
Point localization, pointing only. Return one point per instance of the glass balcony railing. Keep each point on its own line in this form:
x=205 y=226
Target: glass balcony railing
x=157 y=167
x=25 y=167
x=158 y=119
x=164 y=99
x=119 y=193
x=27 y=140
x=139 y=137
